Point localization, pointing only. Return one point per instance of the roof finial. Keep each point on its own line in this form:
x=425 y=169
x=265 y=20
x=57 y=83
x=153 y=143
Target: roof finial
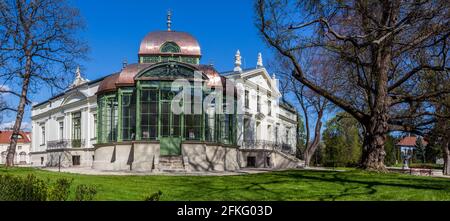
x=78 y=79
x=169 y=21
x=78 y=72
x=124 y=63
x=259 y=63
x=237 y=61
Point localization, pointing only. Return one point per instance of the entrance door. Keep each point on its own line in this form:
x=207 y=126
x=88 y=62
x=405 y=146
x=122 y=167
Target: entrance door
x=170 y=130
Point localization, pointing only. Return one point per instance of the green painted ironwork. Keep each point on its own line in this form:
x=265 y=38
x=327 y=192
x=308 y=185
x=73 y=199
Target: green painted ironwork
x=136 y=113
x=170 y=47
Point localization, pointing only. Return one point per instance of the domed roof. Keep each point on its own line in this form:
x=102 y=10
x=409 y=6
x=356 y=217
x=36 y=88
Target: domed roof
x=126 y=77
x=153 y=42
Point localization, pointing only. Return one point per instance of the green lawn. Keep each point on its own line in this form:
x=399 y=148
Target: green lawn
x=287 y=185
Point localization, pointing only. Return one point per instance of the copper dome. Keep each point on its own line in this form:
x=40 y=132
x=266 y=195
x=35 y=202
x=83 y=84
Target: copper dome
x=126 y=77
x=154 y=40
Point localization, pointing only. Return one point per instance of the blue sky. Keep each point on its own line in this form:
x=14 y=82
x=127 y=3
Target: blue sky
x=115 y=29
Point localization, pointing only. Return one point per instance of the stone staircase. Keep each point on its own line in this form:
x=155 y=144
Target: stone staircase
x=171 y=164
x=300 y=163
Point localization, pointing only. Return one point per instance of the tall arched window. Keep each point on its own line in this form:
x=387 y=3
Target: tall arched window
x=3 y=157
x=22 y=157
x=170 y=47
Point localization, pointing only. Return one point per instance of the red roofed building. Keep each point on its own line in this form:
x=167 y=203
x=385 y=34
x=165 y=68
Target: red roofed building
x=23 y=147
x=410 y=141
x=407 y=146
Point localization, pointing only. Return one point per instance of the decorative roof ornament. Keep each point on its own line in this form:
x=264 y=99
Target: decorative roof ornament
x=237 y=61
x=78 y=79
x=259 y=63
x=124 y=63
x=169 y=21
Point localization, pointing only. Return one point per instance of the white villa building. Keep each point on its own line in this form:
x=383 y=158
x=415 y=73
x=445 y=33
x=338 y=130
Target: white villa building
x=124 y=121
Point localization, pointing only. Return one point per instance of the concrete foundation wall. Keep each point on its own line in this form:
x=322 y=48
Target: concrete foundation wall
x=146 y=156
x=205 y=157
x=54 y=158
x=276 y=160
x=260 y=158
x=36 y=159
x=114 y=157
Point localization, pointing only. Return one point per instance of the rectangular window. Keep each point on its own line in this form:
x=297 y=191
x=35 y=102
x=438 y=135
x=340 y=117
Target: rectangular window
x=94 y=136
x=61 y=130
x=76 y=160
x=247 y=100
x=149 y=113
x=258 y=130
x=193 y=120
x=246 y=130
x=269 y=132
x=128 y=112
x=43 y=135
x=269 y=108
x=19 y=147
x=251 y=161
x=258 y=104
x=107 y=128
x=276 y=134
x=287 y=135
x=226 y=128
x=76 y=129
x=209 y=127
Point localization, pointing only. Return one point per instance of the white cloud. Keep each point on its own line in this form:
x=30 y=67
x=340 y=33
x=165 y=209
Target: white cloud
x=9 y=125
x=4 y=88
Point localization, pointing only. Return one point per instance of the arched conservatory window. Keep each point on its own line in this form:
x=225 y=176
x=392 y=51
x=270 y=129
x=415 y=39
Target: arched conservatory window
x=128 y=104
x=107 y=127
x=170 y=47
x=149 y=113
x=193 y=115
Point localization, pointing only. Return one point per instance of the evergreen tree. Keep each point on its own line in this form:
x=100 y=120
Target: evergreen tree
x=420 y=150
x=391 y=152
x=342 y=141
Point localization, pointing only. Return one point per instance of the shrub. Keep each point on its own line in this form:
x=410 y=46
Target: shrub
x=154 y=197
x=60 y=190
x=85 y=193
x=29 y=188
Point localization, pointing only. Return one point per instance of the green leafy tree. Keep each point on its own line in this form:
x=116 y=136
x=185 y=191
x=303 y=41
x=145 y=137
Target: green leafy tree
x=301 y=137
x=391 y=157
x=342 y=141
x=420 y=150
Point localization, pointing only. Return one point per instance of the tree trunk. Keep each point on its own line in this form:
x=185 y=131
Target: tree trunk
x=446 y=153
x=377 y=126
x=311 y=148
x=20 y=112
x=373 y=146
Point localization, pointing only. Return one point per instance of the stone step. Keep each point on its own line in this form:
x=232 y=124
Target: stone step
x=171 y=159
x=171 y=164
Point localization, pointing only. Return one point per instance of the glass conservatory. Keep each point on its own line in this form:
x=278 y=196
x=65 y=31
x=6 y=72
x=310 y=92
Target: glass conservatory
x=145 y=112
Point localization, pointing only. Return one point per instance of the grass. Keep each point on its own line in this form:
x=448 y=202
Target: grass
x=287 y=185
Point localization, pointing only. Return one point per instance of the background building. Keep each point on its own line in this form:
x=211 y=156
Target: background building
x=23 y=147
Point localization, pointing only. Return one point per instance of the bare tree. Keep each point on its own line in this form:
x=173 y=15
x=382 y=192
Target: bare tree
x=312 y=105
x=381 y=50
x=39 y=46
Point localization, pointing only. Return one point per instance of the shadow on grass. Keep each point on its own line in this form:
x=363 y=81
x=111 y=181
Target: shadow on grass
x=315 y=185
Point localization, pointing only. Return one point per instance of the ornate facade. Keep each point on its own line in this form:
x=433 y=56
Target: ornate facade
x=168 y=112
